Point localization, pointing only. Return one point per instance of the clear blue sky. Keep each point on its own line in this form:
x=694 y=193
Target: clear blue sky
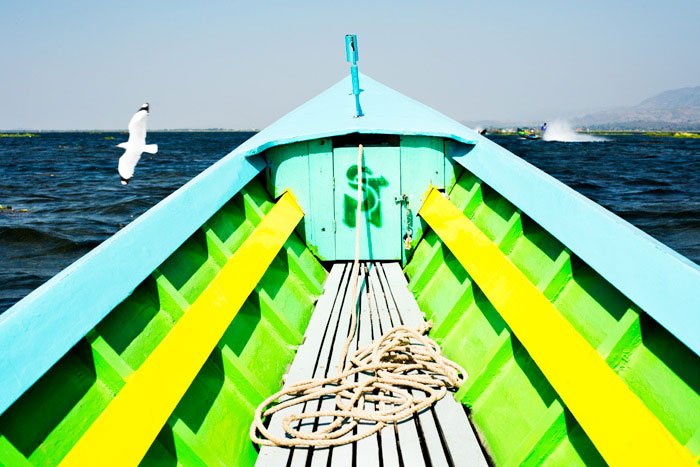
x=89 y=64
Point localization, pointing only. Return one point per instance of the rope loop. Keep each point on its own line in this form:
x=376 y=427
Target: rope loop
x=404 y=373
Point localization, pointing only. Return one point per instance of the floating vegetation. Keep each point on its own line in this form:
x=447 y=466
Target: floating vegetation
x=686 y=135
x=18 y=135
x=9 y=208
x=672 y=134
x=109 y=137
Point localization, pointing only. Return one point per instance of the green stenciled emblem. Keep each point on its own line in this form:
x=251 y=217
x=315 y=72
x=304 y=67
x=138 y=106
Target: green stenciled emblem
x=371 y=199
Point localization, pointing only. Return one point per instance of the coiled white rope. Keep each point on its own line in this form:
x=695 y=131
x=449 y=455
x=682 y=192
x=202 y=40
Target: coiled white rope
x=404 y=372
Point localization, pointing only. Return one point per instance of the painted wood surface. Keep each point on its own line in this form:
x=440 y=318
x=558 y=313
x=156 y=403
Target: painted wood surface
x=318 y=173
x=127 y=427
x=422 y=166
x=380 y=227
x=656 y=278
x=321 y=181
x=306 y=168
x=211 y=422
x=623 y=429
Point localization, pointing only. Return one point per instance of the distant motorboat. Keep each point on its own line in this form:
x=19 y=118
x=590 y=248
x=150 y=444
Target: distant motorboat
x=528 y=133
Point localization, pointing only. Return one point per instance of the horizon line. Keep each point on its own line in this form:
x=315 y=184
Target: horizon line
x=103 y=130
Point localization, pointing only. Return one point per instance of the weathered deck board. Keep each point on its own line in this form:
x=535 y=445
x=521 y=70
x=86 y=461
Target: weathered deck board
x=440 y=436
x=406 y=311
x=407 y=433
x=307 y=363
x=388 y=436
x=343 y=455
x=462 y=445
x=367 y=452
x=460 y=438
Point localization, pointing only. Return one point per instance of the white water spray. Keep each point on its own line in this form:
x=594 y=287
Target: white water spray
x=562 y=131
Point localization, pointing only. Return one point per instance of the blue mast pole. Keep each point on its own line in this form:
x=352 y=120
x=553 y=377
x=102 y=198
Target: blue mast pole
x=351 y=57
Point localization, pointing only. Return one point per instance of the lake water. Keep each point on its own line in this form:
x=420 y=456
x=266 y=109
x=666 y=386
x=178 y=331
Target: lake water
x=68 y=184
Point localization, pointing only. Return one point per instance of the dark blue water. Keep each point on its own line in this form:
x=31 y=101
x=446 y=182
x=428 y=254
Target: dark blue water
x=651 y=182
x=69 y=185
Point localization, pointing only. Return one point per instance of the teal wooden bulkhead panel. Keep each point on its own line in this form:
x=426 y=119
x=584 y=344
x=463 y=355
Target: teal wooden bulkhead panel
x=422 y=166
x=321 y=234
x=452 y=170
x=288 y=169
x=422 y=159
x=319 y=177
x=306 y=169
x=381 y=222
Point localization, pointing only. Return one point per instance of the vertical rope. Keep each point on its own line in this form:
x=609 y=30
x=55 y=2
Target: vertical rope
x=355 y=266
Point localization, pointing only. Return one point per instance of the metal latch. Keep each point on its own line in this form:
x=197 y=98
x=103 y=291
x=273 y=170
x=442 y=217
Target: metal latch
x=402 y=200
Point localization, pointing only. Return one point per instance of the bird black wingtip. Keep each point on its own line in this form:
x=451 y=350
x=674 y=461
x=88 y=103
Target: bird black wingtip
x=145 y=107
x=125 y=181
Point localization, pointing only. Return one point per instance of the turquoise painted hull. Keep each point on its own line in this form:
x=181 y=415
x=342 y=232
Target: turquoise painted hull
x=73 y=345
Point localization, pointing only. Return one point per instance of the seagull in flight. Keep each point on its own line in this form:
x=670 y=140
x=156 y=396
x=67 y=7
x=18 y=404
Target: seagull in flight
x=136 y=145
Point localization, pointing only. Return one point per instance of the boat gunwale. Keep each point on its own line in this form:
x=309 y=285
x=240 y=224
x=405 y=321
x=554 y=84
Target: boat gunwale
x=659 y=280
x=41 y=328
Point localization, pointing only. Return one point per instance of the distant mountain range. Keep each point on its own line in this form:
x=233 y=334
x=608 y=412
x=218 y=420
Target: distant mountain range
x=678 y=109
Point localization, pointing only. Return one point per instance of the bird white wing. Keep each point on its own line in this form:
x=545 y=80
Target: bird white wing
x=128 y=161
x=137 y=128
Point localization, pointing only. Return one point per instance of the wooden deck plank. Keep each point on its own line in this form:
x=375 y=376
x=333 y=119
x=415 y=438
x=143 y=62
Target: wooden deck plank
x=456 y=428
x=299 y=456
x=405 y=303
x=332 y=355
x=367 y=452
x=459 y=435
x=436 y=451
x=343 y=455
x=392 y=312
x=410 y=314
x=381 y=324
x=327 y=367
x=409 y=442
x=304 y=364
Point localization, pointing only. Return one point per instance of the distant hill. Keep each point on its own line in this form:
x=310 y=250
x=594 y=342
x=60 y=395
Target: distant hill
x=678 y=109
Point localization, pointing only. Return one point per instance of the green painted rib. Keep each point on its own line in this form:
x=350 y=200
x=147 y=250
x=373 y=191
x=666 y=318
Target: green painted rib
x=518 y=414
x=210 y=424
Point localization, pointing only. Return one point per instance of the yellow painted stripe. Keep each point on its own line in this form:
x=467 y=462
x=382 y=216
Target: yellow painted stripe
x=122 y=434
x=622 y=428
